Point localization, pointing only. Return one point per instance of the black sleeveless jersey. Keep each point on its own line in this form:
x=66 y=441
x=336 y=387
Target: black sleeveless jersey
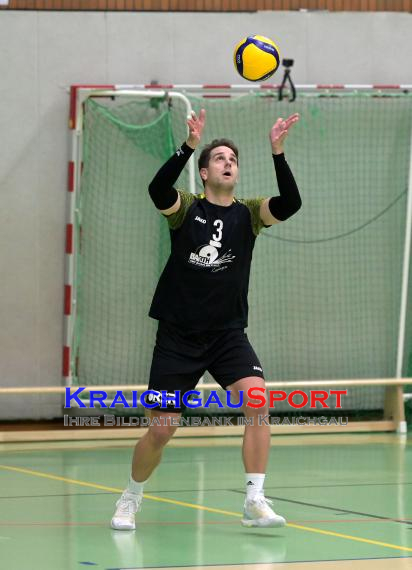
x=204 y=285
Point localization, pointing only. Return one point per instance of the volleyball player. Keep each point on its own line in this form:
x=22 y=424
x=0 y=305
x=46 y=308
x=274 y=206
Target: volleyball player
x=201 y=305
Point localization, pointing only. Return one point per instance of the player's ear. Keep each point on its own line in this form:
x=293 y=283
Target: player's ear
x=203 y=174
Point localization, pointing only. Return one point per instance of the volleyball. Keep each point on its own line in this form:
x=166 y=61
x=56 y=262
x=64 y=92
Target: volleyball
x=256 y=58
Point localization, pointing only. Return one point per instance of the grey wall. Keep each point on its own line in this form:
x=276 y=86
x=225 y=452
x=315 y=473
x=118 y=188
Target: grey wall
x=42 y=53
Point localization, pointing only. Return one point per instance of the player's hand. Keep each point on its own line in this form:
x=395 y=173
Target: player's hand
x=280 y=131
x=196 y=126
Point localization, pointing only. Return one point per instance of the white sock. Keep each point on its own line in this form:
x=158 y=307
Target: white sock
x=135 y=487
x=254 y=484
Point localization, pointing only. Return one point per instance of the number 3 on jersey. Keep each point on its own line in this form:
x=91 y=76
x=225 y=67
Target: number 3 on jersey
x=216 y=238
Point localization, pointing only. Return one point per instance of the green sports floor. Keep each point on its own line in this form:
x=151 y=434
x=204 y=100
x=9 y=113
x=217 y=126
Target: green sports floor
x=347 y=499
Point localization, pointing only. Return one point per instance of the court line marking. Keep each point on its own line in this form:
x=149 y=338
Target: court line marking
x=116 y=490
x=259 y=564
x=199 y=507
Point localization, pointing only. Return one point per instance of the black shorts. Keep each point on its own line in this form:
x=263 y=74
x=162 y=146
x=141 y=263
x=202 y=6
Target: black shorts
x=181 y=358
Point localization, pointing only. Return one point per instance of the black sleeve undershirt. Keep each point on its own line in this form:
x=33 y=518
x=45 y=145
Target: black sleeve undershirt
x=161 y=188
x=289 y=201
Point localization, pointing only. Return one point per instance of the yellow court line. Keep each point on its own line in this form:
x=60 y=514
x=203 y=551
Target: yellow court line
x=116 y=490
x=192 y=506
x=199 y=507
x=350 y=537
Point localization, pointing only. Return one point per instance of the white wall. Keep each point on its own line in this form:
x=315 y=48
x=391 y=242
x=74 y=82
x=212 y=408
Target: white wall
x=42 y=53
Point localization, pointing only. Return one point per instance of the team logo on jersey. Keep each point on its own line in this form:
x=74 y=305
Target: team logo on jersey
x=208 y=255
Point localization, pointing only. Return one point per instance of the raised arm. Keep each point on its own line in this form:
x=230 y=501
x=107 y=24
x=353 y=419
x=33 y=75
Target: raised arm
x=165 y=197
x=280 y=208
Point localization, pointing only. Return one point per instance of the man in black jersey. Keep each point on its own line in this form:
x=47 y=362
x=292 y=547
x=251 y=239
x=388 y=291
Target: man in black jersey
x=201 y=305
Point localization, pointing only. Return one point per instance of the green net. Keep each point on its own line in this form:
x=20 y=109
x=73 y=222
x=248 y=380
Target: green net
x=325 y=285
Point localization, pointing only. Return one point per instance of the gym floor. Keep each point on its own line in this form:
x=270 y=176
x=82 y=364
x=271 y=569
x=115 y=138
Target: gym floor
x=347 y=499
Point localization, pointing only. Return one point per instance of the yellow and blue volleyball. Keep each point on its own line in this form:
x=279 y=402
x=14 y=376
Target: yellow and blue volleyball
x=256 y=58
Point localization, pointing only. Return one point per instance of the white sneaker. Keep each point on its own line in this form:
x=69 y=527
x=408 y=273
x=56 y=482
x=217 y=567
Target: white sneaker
x=257 y=512
x=126 y=508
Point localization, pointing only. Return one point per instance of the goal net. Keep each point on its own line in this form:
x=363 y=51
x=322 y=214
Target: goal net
x=325 y=285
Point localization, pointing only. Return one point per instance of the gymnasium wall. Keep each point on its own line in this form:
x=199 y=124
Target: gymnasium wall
x=42 y=53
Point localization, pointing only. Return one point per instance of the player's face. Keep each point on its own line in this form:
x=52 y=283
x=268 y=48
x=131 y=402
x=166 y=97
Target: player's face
x=222 y=170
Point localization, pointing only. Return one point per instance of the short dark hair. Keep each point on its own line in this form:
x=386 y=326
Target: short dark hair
x=204 y=157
